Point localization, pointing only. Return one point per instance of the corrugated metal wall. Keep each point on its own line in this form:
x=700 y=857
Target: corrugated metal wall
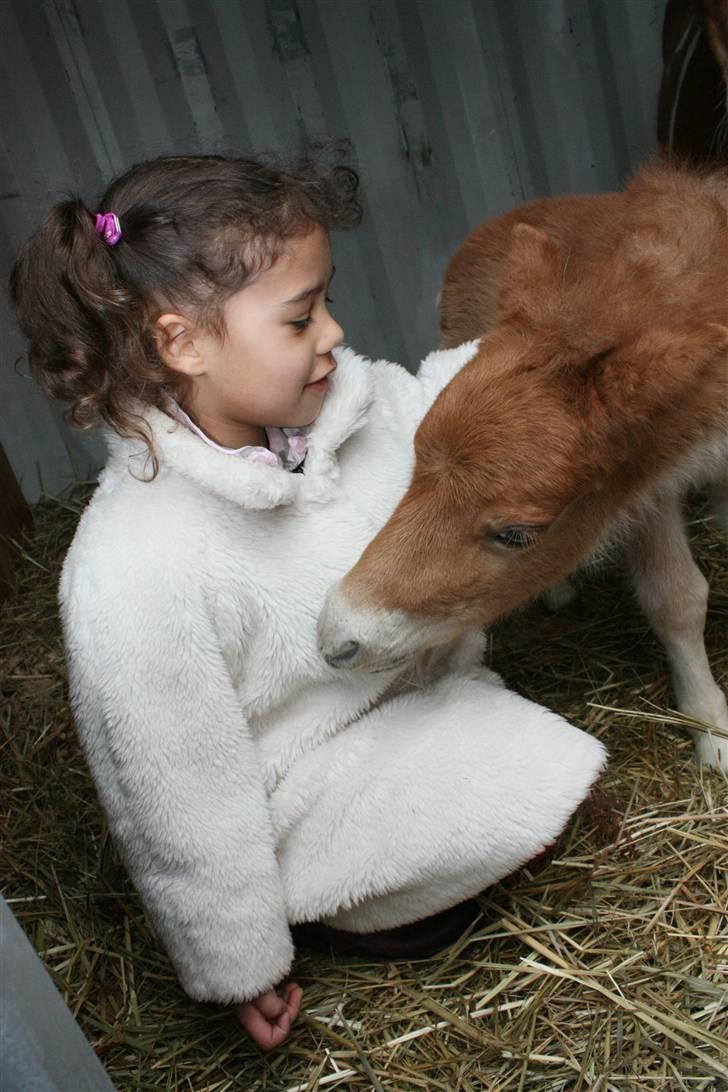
x=455 y=110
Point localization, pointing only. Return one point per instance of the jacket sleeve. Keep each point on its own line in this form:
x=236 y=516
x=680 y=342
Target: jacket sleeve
x=440 y=366
x=177 y=774
x=404 y=399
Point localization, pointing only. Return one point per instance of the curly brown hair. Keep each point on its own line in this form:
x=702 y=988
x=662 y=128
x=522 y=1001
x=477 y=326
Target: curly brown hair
x=195 y=230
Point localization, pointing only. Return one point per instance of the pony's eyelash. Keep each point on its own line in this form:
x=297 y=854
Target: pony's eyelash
x=517 y=537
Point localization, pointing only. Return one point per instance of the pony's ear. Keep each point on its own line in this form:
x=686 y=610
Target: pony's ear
x=654 y=370
x=531 y=277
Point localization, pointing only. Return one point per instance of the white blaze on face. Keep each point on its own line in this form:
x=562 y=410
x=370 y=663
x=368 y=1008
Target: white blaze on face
x=370 y=639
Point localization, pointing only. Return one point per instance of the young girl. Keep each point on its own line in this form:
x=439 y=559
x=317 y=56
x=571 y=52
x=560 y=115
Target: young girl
x=249 y=786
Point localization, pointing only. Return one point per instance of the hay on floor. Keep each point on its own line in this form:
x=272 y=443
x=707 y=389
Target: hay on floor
x=604 y=968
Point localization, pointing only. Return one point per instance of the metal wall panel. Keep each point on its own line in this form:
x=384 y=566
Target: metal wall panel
x=455 y=110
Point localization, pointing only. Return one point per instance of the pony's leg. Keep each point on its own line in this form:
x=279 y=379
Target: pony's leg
x=718 y=494
x=674 y=596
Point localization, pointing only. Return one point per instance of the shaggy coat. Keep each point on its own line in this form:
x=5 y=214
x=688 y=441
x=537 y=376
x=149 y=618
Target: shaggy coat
x=247 y=783
x=598 y=394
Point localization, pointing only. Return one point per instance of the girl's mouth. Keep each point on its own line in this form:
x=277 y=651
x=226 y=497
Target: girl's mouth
x=319 y=385
x=322 y=384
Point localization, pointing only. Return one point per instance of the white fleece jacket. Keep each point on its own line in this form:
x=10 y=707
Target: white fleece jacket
x=189 y=606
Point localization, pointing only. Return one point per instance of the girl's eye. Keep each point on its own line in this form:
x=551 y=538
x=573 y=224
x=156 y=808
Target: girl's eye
x=516 y=538
x=328 y=299
x=301 y=323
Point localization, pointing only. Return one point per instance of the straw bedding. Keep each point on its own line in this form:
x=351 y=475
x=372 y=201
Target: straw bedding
x=604 y=967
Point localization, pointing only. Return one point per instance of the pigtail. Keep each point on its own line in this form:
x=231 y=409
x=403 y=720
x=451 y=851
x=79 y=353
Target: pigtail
x=83 y=323
x=47 y=287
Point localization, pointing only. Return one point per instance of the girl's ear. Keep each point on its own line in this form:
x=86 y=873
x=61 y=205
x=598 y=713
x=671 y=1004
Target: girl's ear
x=179 y=344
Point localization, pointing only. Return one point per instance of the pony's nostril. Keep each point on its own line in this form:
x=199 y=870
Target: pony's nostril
x=343 y=655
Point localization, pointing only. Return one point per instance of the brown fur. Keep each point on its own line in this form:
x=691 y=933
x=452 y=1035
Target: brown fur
x=598 y=393
x=603 y=367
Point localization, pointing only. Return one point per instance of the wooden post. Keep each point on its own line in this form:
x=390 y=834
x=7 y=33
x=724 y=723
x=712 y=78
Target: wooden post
x=15 y=519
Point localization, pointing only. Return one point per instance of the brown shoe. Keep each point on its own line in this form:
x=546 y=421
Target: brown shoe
x=414 y=941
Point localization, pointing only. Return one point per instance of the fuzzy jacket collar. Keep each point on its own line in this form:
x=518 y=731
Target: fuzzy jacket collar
x=252 y=484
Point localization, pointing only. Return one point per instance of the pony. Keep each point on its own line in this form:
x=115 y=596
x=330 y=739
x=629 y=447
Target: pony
x=596 y=396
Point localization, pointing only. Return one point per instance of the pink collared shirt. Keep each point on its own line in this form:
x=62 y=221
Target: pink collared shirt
x=286 y=446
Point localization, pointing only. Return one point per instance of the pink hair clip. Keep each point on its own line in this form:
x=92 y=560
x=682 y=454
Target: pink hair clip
x=108 y=227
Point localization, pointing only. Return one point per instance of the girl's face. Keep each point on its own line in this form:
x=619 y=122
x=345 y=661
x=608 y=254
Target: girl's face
x=272 y=366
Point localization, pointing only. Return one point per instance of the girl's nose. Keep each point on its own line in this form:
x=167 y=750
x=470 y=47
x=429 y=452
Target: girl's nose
x=331 y=336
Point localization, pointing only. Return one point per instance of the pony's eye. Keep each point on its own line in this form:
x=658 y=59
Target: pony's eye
x=515 y=538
